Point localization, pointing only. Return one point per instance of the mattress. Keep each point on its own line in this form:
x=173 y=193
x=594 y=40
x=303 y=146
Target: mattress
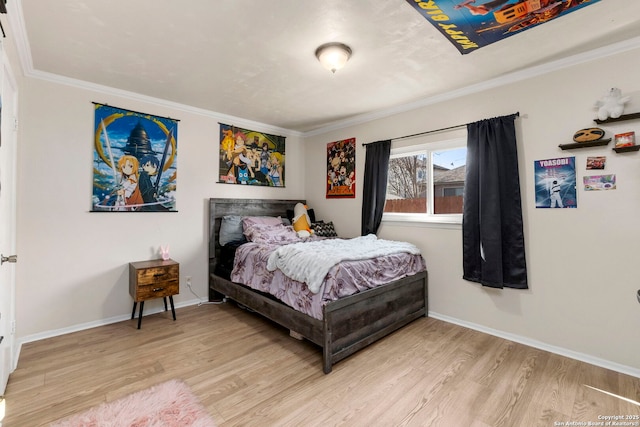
x=345 y=278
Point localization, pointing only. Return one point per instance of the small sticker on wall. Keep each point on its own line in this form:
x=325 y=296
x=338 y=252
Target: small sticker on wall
x=599 y=182
x=596 y=162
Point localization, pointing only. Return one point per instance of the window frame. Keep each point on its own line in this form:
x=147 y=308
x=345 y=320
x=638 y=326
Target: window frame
x=427 y=148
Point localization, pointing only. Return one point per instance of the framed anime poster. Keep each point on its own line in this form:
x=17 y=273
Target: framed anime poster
x=251 y=158
x=134 y=161
x=341 y=169
x=555 y=181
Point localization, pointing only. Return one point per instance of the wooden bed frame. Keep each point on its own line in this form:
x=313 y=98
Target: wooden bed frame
x=348 y=324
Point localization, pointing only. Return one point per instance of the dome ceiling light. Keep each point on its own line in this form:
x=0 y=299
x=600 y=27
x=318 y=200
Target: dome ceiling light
x=333 y=56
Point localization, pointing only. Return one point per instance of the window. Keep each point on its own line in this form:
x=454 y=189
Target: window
x=426 y=182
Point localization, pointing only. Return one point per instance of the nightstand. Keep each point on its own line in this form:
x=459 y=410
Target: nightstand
x=153 y=279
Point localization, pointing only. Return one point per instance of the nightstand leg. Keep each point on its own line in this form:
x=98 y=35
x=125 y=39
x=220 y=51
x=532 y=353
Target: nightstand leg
x=173 y=310
x=165 y=303
x=140 y=314
x=133 y=313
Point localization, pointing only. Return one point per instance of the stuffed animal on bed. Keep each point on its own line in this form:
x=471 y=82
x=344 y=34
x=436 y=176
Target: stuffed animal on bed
x=301 y=221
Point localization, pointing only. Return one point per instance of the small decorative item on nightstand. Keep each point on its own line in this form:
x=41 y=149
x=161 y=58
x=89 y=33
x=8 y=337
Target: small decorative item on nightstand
x=153 y=279
x=164 y=251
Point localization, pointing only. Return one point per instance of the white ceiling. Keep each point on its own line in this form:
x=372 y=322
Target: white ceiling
x=254 y=59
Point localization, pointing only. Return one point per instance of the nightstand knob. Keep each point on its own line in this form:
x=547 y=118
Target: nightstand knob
x=158 y=289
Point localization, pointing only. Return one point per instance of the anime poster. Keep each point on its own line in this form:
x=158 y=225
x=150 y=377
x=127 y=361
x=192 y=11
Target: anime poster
x=599 y=182
x=134 y=161
x=472 y=24
x=251 y=158
x=341 y=169
x=555 y=181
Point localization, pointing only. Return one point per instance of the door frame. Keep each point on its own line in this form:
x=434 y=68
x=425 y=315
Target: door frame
x=9 y=141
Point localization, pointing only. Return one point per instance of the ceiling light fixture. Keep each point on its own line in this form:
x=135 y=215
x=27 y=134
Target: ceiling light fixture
x=333 y=56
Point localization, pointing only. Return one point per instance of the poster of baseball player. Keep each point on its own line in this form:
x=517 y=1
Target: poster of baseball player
x=555 y=182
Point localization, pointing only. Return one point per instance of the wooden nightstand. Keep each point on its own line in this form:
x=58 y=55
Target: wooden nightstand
x=153 y=279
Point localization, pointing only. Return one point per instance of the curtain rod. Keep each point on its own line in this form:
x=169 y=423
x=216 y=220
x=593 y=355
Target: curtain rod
x=432 y=131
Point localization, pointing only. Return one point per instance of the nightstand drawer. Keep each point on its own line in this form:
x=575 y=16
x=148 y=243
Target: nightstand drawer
x=153 y=275
x=153 y=279
x=156 y=290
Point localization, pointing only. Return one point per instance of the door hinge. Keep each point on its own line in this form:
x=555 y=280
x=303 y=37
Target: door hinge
x=10 y=258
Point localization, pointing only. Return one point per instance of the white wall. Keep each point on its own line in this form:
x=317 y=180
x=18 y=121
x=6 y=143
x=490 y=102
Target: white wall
x=73 y=264
x=73 y=269
x=581 y=262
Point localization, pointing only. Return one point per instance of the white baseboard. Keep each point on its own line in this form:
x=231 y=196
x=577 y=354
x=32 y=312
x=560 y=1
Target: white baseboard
x=88 y=325
x=607 y=364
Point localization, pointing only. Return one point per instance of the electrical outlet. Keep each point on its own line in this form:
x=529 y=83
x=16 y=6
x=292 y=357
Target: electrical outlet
x=188 y=278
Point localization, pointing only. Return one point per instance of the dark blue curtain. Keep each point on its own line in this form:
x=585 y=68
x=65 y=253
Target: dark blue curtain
x=492 y=233
x=376 y=169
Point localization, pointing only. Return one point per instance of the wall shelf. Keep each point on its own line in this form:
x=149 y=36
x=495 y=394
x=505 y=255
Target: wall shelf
x=597 y=143
x=622 y=118
x=626 y=149
x=632 y=116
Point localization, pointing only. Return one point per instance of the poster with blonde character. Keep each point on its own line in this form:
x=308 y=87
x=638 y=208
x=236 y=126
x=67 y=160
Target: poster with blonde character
x=251 y=158
x=134 y=161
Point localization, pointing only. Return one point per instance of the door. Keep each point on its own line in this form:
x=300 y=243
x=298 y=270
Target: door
x=8 y=152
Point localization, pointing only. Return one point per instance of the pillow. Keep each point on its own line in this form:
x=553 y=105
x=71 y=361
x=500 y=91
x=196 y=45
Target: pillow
x=325 y=229
x=230 y=229
x=274 y=234
x=248 y=221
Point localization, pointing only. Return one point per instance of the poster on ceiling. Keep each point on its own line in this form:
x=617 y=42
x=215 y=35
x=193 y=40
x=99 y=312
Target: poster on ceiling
x=555 y=182
x=341 y=169
x=251 y=158
x=134 y=161
x=472 y=24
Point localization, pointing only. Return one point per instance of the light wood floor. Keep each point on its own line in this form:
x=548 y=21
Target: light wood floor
x=249 y=372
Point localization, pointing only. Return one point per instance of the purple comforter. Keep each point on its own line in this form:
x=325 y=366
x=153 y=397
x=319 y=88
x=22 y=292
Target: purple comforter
x=346 y=278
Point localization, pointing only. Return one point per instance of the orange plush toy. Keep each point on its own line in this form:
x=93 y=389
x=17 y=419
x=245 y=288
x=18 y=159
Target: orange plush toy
x=301 y=221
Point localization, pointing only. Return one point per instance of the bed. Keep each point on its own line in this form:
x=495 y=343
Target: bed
x=346 y=325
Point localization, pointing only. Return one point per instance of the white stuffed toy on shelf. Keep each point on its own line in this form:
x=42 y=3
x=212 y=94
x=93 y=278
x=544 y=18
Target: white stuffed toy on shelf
x=612 y=104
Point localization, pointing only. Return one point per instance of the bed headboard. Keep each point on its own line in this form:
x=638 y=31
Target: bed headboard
x=245 y=207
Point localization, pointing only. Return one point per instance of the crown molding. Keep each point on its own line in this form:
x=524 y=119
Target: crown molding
x=26 y=61
x=16 y=21
x=134 y=96
x=517 y=76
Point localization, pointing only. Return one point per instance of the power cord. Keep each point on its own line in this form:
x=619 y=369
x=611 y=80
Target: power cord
x=200 y=301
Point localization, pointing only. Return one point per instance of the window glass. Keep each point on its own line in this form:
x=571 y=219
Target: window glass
x=407 y=184
x=448 y=180
x=426 y=181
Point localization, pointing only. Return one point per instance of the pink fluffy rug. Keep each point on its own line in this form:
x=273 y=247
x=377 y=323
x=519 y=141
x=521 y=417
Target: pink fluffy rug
x=169 y=404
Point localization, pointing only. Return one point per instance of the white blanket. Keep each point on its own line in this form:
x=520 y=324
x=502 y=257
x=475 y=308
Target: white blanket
x=309 y=262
